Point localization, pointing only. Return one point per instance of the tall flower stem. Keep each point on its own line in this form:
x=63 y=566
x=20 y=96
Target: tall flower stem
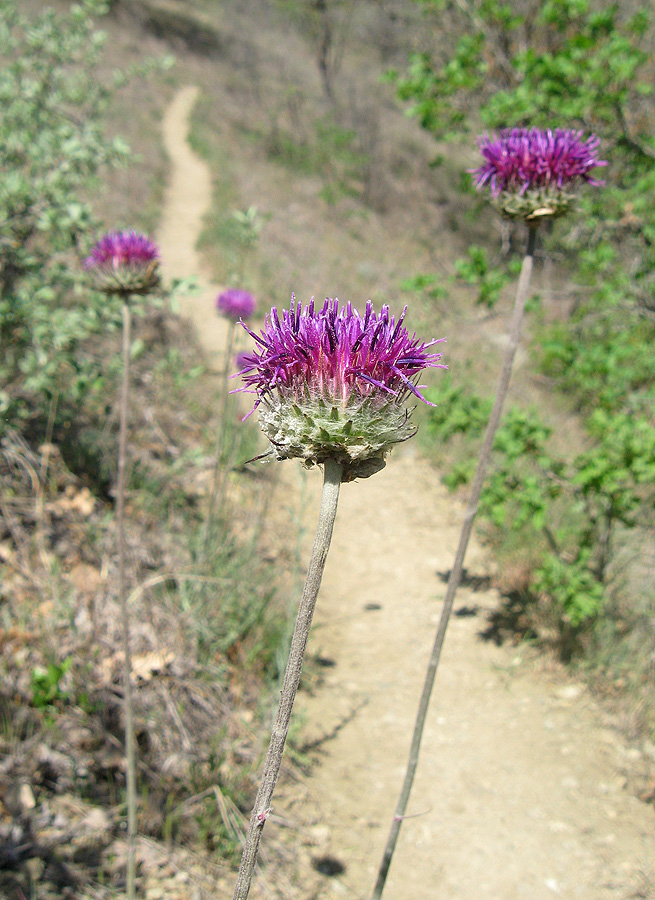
x=130 y=744
x=456 y=571
x=219 y=476
x=332 y=472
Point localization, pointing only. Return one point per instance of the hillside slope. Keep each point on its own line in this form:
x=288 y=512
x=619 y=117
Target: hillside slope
x=525 y=788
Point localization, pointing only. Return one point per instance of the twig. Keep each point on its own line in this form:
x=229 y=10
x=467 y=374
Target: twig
x=262 y=808
x=456 y=571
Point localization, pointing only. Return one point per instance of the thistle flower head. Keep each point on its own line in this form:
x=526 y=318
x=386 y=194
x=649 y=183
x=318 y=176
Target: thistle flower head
x=235 y=304
x=124 y=262
x=533 y=172
x=333 y=384
x=241 y=359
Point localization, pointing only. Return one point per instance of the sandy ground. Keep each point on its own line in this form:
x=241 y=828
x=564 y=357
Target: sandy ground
x=186 y=200
x=524 y=789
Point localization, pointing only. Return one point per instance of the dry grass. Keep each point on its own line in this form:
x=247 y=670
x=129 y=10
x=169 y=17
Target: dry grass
x=204 y=638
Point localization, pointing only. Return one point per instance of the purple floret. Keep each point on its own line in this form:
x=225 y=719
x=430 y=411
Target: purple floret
x=336 y=355
x=522 y=159
x=122 y=248
x=235 y=304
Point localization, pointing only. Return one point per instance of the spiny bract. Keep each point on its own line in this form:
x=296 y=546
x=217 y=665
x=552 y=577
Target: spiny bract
x=333 y=384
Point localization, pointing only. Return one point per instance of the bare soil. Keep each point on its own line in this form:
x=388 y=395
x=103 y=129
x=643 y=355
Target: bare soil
x=525 y=787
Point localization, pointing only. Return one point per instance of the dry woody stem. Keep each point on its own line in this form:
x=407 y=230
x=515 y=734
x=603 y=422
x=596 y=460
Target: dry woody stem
x=456 y=572
x=332 y=472
x=130 y=744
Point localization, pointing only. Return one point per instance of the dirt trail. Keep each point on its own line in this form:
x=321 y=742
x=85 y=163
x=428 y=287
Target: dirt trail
x=187 y=199
x=523 y=789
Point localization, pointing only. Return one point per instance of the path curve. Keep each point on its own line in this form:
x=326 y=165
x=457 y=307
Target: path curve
x=187 y=199
x=522 y=789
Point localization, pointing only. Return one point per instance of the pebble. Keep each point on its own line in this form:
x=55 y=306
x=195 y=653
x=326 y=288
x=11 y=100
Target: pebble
x=633 y=754
x=558 y=827
x=648 y=750
x=155 y=893
x=96 y=820
x=26 y=798
x=569 y=692
x=319 y=835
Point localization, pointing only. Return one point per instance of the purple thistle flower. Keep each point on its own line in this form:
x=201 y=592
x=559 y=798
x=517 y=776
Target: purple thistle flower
x=533 y=172
x=124 y=262
x=333 y=384
x=235 y=304
x=241 y=359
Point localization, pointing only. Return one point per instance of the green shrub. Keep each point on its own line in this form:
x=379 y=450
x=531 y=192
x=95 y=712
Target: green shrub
x=570 y=510
x=456 y=411
x=46 y=684
x=52 y=147
x=477 y=269
x=572 y=586
x=581 y=64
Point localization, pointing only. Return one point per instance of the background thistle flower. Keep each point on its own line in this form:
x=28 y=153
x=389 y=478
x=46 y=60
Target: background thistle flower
x=235 y=304
x=533 y=173
x=332 y=384
x=124 y=262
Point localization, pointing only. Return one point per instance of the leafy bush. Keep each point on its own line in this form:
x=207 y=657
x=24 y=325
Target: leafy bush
x=572 y=586
x=425 y=284
x=570 y=508
x=568 y=63
x=52 y=146
x=478 y=270
x=456 y=411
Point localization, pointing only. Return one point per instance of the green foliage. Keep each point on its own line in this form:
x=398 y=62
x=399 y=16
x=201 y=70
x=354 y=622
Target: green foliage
x=477 y=269
x=566 y=63
x=46 y=684
x=250 y=224
x=433 y=90
x=572 y=586
x=572 y=60
x=619 y=467
x=460 y=473
x=52 y=150
x=51 y=147
x=570 y=509
x=519 y=491
x=425 y=285
x=456 y=411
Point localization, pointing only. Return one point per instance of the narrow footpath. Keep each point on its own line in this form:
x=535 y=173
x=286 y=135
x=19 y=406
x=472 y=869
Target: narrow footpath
x=525 y=790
